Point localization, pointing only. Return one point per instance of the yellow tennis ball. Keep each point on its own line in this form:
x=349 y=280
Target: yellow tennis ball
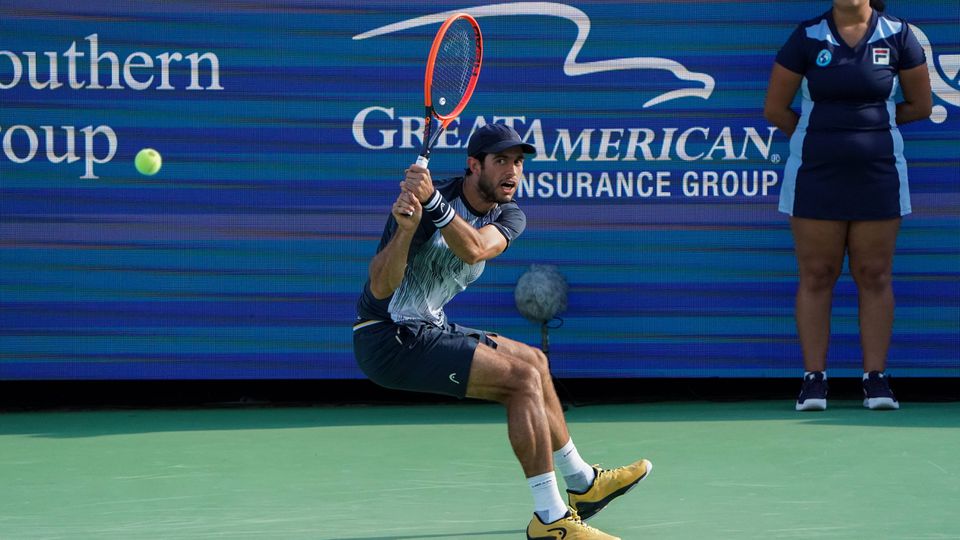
x=148 y=161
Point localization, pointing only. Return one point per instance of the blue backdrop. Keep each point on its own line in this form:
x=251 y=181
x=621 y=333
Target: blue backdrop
x=285 y=129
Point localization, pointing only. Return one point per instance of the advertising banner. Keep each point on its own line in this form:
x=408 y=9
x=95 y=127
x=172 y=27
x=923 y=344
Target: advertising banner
x=284 y=130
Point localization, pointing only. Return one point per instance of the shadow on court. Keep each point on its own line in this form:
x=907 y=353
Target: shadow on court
x=839 y=412
x=452 y=536
x=78 y=424
x=69 y=424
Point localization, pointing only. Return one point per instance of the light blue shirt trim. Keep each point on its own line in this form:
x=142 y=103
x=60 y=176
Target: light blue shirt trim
x=899 y=159
x=789 y=188
x=821 y=32
x=885 y=29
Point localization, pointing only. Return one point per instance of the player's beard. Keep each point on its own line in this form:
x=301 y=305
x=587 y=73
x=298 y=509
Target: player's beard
x=487 y=187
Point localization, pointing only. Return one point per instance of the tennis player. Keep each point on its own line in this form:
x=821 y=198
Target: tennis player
x=435 y=243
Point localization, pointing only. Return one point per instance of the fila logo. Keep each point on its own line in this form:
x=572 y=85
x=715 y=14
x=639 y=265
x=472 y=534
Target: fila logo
x=881 y=57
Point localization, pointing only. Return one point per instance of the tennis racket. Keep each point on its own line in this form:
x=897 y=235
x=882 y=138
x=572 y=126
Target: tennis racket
x=452 y=71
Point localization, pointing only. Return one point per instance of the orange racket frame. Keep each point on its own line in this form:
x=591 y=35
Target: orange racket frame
x=429 y=139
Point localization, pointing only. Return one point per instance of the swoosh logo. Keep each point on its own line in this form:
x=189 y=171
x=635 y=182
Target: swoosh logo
x=571 y=67
x=453 y=377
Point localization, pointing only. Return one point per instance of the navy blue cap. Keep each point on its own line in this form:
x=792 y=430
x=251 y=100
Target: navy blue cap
x=493 y=138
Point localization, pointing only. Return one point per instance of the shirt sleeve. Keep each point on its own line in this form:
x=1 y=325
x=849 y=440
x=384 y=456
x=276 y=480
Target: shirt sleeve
x=388 y=231
x=423 y=233
x=511 y=223
x=793 y=55
x=911 y=52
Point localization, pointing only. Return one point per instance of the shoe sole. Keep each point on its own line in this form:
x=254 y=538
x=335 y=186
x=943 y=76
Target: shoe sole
x=588 y=509
x=881 y=404
x=812 y=405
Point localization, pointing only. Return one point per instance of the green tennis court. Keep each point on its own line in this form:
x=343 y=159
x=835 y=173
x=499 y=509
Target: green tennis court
x=742 y=470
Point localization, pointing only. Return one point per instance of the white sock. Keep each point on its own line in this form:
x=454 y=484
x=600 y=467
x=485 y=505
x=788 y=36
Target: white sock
x=577 y=473
x=805 y=373
x=546 y=497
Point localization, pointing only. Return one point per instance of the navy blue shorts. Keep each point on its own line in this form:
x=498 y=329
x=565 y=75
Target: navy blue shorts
x=418 y=356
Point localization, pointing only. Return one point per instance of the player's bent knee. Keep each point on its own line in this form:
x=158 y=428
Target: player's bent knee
x=525 y=381
x=500 y=377
x=540 y=360
x=532 y=356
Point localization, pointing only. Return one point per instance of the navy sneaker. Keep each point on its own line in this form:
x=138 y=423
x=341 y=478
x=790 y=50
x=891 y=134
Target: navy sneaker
x=876 y=392
x=813 y=394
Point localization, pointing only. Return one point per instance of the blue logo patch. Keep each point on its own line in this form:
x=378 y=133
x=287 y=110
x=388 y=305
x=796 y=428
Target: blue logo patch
x=824 y=57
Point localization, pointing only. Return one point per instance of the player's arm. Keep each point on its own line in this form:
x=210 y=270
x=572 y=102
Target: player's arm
x=473 y=245
x=781 y=89
x=388 y=266
x=469 y=244
x=917 y=101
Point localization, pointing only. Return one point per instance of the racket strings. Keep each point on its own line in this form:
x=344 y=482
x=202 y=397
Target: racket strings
x=454 y=67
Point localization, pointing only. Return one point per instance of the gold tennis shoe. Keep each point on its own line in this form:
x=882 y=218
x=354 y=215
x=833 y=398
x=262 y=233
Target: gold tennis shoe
x=608 y=484
x=569 y=527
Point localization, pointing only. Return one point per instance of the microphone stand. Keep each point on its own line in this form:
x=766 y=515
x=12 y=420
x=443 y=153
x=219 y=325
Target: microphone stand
x=562 y=393
x=544 y=339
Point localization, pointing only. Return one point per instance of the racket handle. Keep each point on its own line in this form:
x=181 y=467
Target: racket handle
x=422 y=161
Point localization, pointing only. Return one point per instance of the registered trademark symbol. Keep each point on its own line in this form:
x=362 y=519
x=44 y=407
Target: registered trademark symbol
x=775 y=158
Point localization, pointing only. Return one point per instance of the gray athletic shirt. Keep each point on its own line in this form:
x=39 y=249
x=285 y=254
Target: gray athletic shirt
x=434 y=274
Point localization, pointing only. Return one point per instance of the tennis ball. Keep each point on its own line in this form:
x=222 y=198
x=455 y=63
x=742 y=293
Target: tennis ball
x=148 y=161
